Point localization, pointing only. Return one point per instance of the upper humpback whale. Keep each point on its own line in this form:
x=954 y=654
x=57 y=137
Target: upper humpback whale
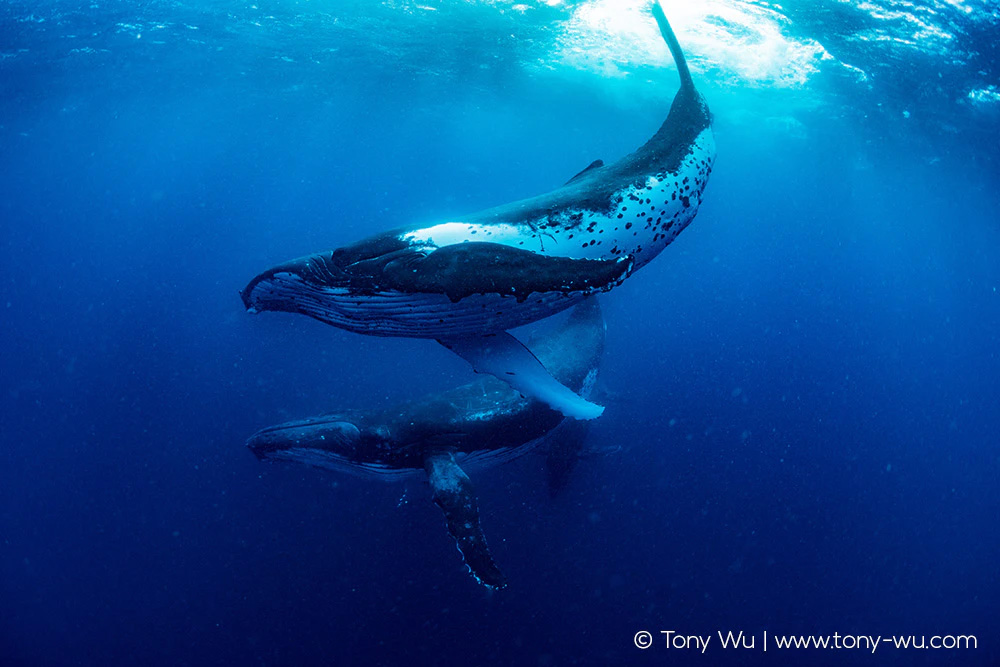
x=465 y=281
x=482 y=423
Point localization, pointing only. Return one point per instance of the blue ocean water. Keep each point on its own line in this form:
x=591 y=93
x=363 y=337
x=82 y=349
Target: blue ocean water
x=802 y=390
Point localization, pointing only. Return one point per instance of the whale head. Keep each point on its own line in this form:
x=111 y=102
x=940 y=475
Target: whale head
x=341 y=442
x=286 y=287
x=335 y=435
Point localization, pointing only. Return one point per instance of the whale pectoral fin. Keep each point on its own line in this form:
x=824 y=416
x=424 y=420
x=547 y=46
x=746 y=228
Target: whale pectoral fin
x=477 y=267
x=596 y=164
x=453 y=492
x=508 y=359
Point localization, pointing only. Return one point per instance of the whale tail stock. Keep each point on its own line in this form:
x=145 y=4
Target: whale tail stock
x=675 y=48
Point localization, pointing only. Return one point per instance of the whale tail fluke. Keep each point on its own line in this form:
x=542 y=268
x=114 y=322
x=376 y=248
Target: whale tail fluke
x=675 y=48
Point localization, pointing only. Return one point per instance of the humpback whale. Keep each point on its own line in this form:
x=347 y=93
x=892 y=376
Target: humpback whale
x=442 y=435
x=467 y=280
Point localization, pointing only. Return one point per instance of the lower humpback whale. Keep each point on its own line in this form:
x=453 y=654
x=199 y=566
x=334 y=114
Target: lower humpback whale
x=478 y=424
x=466 y=281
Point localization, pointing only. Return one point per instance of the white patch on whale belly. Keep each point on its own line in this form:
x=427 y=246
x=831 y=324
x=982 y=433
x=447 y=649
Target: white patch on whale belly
x=450 y=233
x=645 y=219
x=648 y=217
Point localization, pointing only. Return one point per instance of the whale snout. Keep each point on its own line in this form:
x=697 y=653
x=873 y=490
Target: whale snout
x=287 y=286
x=271 y=290
x=334 y=436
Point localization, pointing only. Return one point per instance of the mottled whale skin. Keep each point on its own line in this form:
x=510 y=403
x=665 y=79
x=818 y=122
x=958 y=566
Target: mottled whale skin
x=475 y=425
x=517 y=263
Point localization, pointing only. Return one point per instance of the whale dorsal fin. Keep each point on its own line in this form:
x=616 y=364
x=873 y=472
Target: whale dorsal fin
x=453 y=492
x=596 y=164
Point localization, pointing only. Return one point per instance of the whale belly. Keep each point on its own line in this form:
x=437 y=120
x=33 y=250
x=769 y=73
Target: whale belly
x=639 y=219
x=646 y=217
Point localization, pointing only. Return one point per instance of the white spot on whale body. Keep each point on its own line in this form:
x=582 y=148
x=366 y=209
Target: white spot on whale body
x=589 y=382
x=450 y=233
x=447 y=480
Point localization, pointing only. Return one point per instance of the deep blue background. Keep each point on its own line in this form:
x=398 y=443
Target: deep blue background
x=804 y=387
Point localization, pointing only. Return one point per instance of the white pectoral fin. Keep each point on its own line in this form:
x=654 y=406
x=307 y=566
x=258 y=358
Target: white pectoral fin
x=505 y=357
